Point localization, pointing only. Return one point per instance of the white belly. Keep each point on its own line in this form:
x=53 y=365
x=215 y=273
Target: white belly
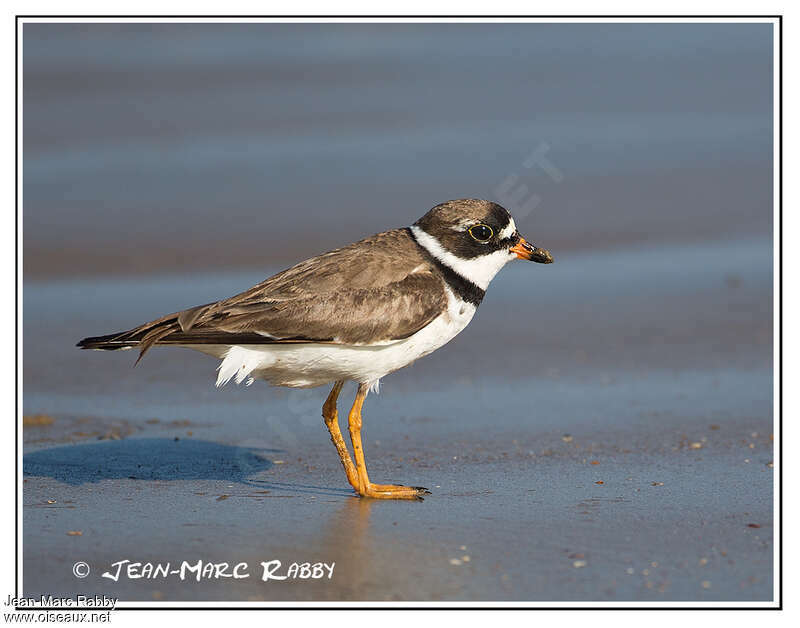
x=309 y=365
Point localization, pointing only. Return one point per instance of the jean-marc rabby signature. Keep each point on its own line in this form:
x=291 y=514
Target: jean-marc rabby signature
x=207 y=570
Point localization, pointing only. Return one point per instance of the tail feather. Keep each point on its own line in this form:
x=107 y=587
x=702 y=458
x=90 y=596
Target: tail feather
x=111 y=342
x=180 y=329
x=143 y=337
x=167 y=331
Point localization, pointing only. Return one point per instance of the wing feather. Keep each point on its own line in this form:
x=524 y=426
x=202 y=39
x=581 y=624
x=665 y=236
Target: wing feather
x=378 y=290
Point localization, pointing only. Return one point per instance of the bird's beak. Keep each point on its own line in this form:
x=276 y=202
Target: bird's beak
x=527 y=251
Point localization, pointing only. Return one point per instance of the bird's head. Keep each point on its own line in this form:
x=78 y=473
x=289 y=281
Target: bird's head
x=476 y=238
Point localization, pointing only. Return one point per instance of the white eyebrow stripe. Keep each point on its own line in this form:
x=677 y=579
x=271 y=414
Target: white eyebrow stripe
x=509 y=230
x=463 y=225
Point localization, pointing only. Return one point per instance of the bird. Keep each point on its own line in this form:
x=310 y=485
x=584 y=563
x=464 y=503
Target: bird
x=356 y=313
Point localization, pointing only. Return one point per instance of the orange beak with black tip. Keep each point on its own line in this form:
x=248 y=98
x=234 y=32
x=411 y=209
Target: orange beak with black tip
x=527 y=251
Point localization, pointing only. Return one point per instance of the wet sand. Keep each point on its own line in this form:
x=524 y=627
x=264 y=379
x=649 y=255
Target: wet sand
x=601 y=431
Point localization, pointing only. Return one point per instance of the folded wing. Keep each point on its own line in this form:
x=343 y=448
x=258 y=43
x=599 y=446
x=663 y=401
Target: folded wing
x=360 y=294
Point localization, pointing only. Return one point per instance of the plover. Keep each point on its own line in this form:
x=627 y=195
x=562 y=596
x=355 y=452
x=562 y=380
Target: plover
x=356 y=313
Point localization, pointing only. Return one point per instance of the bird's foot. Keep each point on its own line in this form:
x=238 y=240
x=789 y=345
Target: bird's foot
x=394 y=491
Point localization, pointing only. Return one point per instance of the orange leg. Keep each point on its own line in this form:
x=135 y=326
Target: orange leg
x=364 y=487
x=331 y=416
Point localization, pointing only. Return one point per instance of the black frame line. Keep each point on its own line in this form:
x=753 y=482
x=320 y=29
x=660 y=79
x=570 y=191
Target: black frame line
x=354 y=606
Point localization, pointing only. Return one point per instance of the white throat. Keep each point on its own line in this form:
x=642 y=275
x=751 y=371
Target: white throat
x=479 y=270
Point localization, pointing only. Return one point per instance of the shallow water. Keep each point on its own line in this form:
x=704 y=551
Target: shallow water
x=153 y=148
x=602 y=430
x=653 y=363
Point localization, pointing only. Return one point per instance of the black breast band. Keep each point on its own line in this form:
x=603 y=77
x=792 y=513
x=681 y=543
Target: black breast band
x=460 y=285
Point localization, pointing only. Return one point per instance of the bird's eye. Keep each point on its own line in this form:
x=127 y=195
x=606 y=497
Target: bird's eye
x=481 y=233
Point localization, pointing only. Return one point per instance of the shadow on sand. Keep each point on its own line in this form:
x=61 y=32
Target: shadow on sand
x=147 y=459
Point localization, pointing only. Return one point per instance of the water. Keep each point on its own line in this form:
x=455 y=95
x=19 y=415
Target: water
x=613 y=408
x=168 y=147
x=612 y=368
